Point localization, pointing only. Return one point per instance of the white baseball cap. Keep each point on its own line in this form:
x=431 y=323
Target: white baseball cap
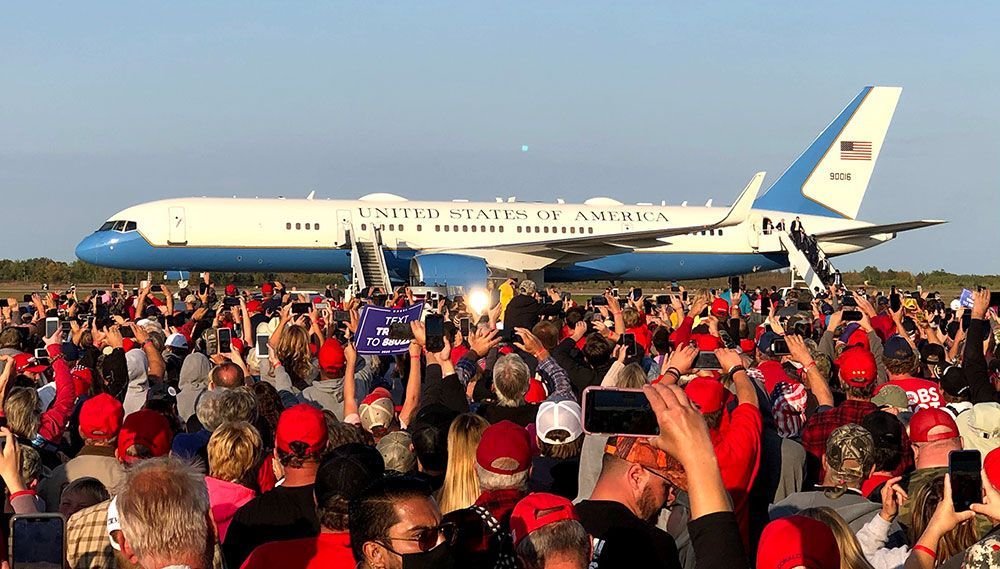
x=176 y=340
x=556 y=415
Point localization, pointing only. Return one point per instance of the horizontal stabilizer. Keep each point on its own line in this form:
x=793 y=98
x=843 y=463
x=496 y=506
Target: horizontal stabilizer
x=869 y=230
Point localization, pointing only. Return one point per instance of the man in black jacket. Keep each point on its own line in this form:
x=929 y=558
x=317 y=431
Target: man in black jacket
x=524 y=310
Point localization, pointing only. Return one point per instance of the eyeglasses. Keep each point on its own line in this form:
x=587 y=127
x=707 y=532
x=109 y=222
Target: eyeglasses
x=428 y=538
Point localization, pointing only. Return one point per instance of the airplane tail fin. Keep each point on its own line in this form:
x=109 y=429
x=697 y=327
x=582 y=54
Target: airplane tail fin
x=830 y=178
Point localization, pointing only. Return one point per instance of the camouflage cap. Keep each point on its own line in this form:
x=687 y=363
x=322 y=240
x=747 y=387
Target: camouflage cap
x=891 y=396
x=850 y=451
x=984 y=555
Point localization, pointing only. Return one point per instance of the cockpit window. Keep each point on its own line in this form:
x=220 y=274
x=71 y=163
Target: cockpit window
x=107 y=226
x=129 y=226
x=119 y=226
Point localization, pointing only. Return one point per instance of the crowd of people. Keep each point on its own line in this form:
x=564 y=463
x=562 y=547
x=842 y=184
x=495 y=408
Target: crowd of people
x=217 y=427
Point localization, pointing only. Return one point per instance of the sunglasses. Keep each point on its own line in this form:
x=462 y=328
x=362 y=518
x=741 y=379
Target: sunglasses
x=428 y=538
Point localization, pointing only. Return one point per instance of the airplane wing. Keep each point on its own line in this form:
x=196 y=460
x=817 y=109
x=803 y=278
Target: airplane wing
x=869 y=230
x=612 y=243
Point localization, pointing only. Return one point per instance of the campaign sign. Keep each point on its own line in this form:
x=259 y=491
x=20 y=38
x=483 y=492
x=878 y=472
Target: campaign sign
x=373 y=329
x=966 y=299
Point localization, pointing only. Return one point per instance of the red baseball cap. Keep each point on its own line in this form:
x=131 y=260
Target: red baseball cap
x=302 y=423
x=536 y=391
x=505 y=448
x=331 y=357
x=708 y=394
x=230 y=289
x=147 y=428
x=253 y=306
x=747 y=346
x=797 y=541
x=706 y=342
x=27 y=363
x=857 y=367
x=128 y=344
x=991 y=464
x=101 y=417
x=536 y=511
x=82 y=380
x=267 y=288
x=932 y=424
x=720 y=308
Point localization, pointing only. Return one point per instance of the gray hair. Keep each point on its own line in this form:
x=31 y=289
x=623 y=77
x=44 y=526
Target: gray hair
x=510 y=380
x=222 y=405
x=566 y=539
x=493 y=481
x=163 y=509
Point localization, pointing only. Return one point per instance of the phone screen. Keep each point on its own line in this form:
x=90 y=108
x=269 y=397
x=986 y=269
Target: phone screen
x=662 y=299
x=434 y=328
x=852 y=316
x=636 y=293
x=707 y=360
x=849 y=300
x=300 y=307
x=341 y=316
x=618 y=412
x=262 y=347
x=598 y=301
x=628 y=340
x=894 y=302
x=463 y=325
x=37 y=541
x=225 y=340
x=51 y=325
x=674 y=287
x=995 y=299
x=400 y=331
x=734 y=284
x=779 y=347
x=965 y=466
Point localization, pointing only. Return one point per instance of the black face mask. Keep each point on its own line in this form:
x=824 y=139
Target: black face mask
x=441 y=557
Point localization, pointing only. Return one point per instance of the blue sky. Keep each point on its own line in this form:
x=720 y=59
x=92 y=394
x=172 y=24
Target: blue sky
x=103 y=105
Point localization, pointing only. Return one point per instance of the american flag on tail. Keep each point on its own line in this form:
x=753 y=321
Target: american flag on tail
x=855 y=150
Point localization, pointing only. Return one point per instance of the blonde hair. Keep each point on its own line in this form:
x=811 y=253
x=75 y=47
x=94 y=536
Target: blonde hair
x=631 y=376
x=233 y=451
x=925 y=501
x=21 y=410
x=851 y=556
x=461 y=485
x=293 y=351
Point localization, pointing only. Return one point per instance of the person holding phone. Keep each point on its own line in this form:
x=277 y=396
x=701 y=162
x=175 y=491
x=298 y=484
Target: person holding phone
x=736 y=434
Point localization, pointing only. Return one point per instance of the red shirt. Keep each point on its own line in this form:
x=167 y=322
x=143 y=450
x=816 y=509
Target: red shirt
x=921 y=393
x=325 y=551
x=737 y=448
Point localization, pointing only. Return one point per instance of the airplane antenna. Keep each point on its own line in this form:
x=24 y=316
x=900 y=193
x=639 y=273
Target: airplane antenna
x=684 y=203
x=311 y=195
x=560 y=201
x=708 y=203
x=512 y=199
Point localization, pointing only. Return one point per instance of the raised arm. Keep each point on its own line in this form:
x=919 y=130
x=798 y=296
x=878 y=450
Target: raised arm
x=411 y=401
x=815 y=381
x=350 y=391
x=53 y=421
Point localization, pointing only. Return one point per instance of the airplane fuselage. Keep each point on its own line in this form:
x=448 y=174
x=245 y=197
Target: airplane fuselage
x=301 y=235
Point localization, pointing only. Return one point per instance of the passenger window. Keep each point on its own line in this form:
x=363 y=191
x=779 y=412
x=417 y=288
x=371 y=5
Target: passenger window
x=473 y=228
x=564 y=230
x=590 y=230
x=501 y=229
x=363 y=226
x=298 y=226
x=420 y=227
x=572 y=230
x=308 y=226
x=720 y=233
x=316 y=226
x=465 y=228
x=446 y=228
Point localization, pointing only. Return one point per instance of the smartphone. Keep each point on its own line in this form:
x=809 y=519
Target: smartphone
x=965 y=468
x=852 y=316
x=301 y=307
x=734 y=284
x=684 y=296
x=631 y=348
x=707 y=360
x=156 y=288
x=663 y=299
x=211 y=337
x=4 y=303
x=400 y=331
x=966 y=320
x=636 y=294
x=202 y=288
x=434 y=329
x=66 y=326
x=995 y=299
x=114 y=294
x=37 y=541
x=51 y=326
x=225 y=336
x=322 y=306
x=463 y=326
x=41 y=356
x=616 y=411
x=26 y=298
x=230 y=301
x=674 y=287
x=895 y=303
x=803 y=306
x=135 y=291
x=849 y=300
x=598 y=301
x=779 y=347
x=614 y=292
x=262 y=347
x=343 y=316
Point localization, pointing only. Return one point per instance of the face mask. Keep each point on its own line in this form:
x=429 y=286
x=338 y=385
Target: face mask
x=441 y=557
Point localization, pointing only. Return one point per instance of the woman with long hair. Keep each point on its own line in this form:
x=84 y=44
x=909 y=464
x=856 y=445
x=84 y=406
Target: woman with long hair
x=851 y=556
x=290 y=342
x=461 y=487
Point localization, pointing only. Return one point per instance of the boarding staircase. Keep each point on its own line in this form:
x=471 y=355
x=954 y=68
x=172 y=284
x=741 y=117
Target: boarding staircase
x=816 y=273
x=368 y=260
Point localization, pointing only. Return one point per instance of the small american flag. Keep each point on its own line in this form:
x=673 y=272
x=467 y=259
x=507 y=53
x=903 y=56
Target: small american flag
x=855 y=150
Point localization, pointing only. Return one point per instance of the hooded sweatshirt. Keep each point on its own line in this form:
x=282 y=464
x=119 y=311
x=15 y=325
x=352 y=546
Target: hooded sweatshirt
x=138 y=383
x=225 y=498
x=192 y=383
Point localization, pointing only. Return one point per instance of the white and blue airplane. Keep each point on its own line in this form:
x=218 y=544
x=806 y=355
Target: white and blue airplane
x=462 y=243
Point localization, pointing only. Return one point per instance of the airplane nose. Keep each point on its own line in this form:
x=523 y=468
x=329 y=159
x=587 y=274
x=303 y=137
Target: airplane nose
x=91 y=248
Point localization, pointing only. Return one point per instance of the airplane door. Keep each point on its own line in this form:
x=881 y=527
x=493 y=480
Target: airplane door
x=753 y=233
x=178 y=227
x=343 y=226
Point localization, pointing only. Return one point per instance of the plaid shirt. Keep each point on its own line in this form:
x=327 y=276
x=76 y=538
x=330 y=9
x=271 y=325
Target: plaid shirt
x=87 y=543
x=818 y=427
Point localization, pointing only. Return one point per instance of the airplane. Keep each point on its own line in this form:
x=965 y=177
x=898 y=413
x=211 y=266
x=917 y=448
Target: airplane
x=462 y=243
